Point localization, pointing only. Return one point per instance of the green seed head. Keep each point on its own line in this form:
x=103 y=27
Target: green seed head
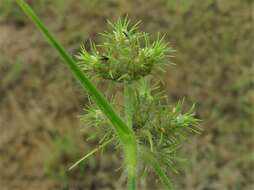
x=125 y=54
x=160 y=128
x=128 y=56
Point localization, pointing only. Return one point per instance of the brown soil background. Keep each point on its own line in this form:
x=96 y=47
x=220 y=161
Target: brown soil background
x=214 y=68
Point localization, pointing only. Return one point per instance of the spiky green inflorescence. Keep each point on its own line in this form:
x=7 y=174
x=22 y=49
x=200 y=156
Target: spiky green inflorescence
x=159 y=127
x=125 y=54
x=152 y=129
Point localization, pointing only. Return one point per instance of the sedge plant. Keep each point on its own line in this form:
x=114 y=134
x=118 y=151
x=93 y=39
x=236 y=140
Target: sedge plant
x=144 y=126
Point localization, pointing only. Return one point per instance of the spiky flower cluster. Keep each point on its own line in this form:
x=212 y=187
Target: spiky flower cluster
x=125 y=54
x=159 y=127
x=128 y=56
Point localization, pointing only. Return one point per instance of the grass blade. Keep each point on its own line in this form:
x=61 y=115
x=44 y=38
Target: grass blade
x=125 y=134
x=90 y=154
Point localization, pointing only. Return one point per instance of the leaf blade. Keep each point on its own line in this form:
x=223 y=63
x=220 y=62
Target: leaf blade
x=125 y=134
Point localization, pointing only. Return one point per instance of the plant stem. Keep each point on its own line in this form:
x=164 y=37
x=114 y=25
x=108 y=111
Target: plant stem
x=131 y=183
x=129 y=103
x=129 y=111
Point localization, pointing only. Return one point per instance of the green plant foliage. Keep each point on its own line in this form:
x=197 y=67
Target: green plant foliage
x=159 y=127
x=125 y=54
x=153 y=129
x=125 y=134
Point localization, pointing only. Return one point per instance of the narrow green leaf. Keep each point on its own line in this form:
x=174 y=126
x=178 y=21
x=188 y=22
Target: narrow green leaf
x=125 y=133
x=84 y=81
x=90 y=154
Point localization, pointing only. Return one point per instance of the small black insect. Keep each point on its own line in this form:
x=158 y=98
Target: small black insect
x=126 y=35
x=104 y=58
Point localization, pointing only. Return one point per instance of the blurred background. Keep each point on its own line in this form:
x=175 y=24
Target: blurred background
x=40 y=102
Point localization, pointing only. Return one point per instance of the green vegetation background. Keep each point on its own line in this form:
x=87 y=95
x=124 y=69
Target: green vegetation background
x=40 y=102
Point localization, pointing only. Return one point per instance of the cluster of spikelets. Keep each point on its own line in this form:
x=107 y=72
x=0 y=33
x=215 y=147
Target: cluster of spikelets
x=160 y=128
x=127 y=56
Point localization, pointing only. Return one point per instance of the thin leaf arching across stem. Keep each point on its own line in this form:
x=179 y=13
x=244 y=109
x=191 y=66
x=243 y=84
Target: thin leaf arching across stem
x=125 y=133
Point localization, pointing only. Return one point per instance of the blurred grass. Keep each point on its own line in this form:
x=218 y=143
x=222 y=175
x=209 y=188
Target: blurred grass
x=214 y=68
x=65 y=148
x=9 y=10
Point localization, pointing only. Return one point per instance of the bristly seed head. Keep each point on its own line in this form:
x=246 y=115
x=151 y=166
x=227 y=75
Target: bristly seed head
x=125 y=54
x=128 y=56
x=159 y=127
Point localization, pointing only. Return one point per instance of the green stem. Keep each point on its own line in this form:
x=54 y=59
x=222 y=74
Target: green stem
x=125 y=133
x=129 y=111
x=131 y=183
x=129 y=103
